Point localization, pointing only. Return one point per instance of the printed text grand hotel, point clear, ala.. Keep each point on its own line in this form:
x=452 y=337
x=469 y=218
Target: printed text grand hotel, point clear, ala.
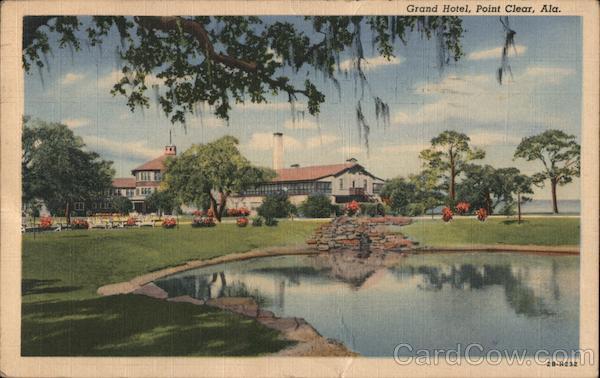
x=482 y=8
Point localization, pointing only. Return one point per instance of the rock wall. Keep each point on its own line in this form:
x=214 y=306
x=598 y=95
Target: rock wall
x=344 y=233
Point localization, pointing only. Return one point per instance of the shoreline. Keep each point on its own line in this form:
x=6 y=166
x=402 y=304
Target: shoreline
x=309 y=342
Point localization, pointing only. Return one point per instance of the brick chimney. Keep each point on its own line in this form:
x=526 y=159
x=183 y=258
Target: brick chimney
x=277 y=151
x=171 y=150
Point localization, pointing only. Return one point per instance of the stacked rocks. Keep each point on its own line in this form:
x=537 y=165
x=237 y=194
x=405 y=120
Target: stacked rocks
x=345 y=233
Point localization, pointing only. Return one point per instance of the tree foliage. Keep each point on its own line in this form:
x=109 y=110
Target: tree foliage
x=276 y=205
x=58 y=169
x=449 y=154
x=224 y=60
x=162 y=201
x=122 y=204
x=214 y=170
x=317 y=206
x=559 y=154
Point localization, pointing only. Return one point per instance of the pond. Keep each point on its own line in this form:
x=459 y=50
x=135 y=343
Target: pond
x=503 y=301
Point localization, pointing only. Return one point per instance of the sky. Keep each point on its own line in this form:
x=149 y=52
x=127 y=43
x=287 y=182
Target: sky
x=543 y=93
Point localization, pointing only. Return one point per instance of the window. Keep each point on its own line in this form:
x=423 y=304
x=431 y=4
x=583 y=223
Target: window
x=129 y=192
x=78 y=206
x=365 y=184
x=144 y=176
x=377 y=187
x=341 y=183
x=353 y=183
x=157 y=176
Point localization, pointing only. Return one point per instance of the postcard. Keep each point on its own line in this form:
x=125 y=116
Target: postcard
x=310 y=189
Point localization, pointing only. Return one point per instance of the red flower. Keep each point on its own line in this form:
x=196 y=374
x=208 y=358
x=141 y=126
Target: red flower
x=80 y=224
x=45 y=223
x=169 y=222
x=131 y=221
x=352 y=208
x=198 y=213
x=210 y=213
x=243 y=211
x=447 y=214
x=242 y=222
x=462 y=208
x=482 y=214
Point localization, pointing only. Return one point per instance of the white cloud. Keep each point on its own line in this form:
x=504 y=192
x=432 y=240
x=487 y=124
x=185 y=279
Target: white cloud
x=321 y=140
x=76 y=122
x=264 y=141
x=300 y=124
x=71 y=78
x=495 y=53
x=351 y=150
x=371 y=63
x=548 y=75
x=136 y=149
x=473 y=99
x=484 y=138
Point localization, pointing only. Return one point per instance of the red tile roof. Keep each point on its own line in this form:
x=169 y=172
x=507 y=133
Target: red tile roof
x=311 y=173
x=123 y=182
x=157 y=164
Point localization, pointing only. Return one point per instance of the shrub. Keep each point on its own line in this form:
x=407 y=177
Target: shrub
x=447 y=214
x=372 y=209
x=257 y=221
x=242 y=222
x=80 y=224
x=271 y=222
x=241 y=212
x=317 y=206
x=210 y=213
x=352 y=208
x=131 y=221
x=198 y=213
x=122 y=205
x=45 y=223
x=462 y=208
x=169 y=223
x=276 y=206
x=482 y=214
x=203 y=222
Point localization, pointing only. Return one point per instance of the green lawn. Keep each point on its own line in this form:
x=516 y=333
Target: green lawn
x=63 y=315
x=549 y=231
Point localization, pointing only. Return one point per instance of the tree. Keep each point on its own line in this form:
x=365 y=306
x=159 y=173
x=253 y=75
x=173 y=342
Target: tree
x=317 y=206
x=428 y=194
x=225 y=60
x=122 y=204
x=58 y=170
x=559 y=154
x=449 y=153
x=162 y=201
x=399 y=195
x=488 y=187
x=276 y=205
x=214 y=170
x=522 y=185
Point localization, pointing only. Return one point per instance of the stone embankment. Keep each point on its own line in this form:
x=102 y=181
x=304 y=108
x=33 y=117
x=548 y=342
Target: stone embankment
x=344 y=233
x=308 y=341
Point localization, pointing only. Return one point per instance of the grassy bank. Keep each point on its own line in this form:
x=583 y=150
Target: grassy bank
x=62 y=314
x=460 y=232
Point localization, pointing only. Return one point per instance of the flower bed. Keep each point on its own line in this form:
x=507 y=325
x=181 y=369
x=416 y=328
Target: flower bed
x=46 y=223
x=80 y=224
x=447 y=214
x=169 y=223
x=482 y=214
x=203 y=222
x=352 y=208
x=242 y=222
x=241 y=212
x=462 y=208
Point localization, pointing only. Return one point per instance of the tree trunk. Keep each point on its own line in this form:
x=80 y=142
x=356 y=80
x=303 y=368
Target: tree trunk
x=452 y=180
x=214 y=207
x=222 y=202
x=519 y=207
x=553 y=184
x=68 y=213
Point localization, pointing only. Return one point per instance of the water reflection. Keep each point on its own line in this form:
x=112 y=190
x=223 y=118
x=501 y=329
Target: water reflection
x=431 y=301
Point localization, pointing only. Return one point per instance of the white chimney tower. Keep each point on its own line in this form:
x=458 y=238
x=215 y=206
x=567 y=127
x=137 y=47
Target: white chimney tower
x=277 y=151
